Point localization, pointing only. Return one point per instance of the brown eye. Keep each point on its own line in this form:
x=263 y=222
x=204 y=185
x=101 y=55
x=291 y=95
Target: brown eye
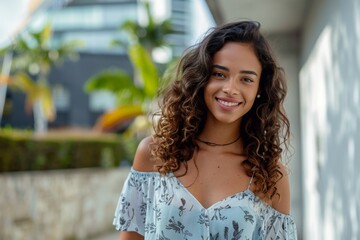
x=248 y=80
x=218 y=75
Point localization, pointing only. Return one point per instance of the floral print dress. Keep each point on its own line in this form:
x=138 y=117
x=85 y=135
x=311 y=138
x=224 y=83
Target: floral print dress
x=160 y=207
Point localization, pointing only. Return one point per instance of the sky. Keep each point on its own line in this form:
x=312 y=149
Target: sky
x=13 y=14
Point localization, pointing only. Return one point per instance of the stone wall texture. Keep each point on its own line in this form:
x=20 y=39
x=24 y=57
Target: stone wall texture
x=59 y=205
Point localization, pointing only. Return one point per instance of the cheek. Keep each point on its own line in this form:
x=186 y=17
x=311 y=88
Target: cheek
x=207 y=99
x=208 y=91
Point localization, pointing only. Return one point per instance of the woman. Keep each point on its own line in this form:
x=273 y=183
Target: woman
x=212 y=169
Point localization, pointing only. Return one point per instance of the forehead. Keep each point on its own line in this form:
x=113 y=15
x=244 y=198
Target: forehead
x=238 y=55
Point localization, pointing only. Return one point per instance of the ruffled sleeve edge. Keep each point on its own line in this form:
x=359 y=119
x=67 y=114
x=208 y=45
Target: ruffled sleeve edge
x=128 y=218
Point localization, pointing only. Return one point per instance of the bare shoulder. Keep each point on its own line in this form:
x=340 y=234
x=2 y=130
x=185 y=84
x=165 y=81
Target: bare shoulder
x=281 y=201
x=143 y=160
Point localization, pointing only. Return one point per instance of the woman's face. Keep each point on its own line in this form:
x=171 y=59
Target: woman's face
x=234 y=83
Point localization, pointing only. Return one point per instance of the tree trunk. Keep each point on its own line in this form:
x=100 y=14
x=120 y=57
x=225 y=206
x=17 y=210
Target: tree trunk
x=39 y=118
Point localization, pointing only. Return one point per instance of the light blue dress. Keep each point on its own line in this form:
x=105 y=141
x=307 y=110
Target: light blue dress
x=160 y=207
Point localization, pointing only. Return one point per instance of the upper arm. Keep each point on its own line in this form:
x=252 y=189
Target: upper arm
x=281 y=201
x=143 y=160
x=130 y=236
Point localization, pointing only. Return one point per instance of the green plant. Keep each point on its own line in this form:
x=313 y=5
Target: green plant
x=24 y=151
x=151 y=35
x=134 y=96
x=31 y=63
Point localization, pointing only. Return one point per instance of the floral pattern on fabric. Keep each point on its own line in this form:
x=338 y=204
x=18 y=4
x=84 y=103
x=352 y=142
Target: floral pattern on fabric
x=160 y=207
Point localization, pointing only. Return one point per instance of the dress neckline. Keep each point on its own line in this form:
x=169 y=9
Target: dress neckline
x=246 y=191
x=213 y=205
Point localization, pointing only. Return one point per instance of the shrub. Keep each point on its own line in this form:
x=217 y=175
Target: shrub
x=24 y=151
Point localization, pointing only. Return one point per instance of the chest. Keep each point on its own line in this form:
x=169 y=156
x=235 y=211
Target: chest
x=212 y=178
x=178 y=214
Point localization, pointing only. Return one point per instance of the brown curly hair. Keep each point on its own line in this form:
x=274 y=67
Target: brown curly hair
x=264 y=129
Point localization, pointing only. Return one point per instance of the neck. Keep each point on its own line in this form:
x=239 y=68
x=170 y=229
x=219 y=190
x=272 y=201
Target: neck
x=220 y=133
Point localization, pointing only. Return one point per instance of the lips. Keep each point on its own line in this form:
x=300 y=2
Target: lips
x=227 y=103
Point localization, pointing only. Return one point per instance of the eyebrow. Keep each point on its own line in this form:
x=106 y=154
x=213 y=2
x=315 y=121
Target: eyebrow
x=243 y=71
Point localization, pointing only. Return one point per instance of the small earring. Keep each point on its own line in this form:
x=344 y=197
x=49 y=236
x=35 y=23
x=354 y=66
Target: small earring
x=258 y=96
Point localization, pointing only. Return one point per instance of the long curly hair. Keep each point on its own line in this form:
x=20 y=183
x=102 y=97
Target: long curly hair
x=264 y=129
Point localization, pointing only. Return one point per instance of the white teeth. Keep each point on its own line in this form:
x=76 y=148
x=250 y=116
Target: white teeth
x=229 y=104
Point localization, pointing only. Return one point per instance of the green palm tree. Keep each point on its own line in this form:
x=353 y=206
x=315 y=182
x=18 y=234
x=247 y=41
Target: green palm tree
x=134 y=96
x=132 y=99
x=32 y=60
x=150 y=36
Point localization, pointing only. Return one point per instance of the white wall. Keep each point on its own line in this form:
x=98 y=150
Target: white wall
x=330 y=116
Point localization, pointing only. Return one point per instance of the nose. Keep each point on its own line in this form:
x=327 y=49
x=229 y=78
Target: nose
x=230 y=87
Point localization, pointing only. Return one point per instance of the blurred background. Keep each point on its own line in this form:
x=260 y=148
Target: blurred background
x=78 y=79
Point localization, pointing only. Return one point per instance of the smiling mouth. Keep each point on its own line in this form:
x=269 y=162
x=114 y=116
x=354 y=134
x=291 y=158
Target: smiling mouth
x=228 y=104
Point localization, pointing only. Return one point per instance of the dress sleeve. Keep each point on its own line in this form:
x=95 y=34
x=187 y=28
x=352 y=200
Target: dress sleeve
x=130 y=213
x=279 y=226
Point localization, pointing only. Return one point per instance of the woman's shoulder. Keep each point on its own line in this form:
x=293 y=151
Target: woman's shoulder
x=280 y=202
x=143 y=159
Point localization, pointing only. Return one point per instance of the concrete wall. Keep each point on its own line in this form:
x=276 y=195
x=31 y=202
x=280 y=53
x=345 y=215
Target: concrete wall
x=330 y=111
x=58 y=205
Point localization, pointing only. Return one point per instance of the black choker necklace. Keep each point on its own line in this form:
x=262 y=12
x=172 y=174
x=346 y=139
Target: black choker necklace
x=217 y=144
